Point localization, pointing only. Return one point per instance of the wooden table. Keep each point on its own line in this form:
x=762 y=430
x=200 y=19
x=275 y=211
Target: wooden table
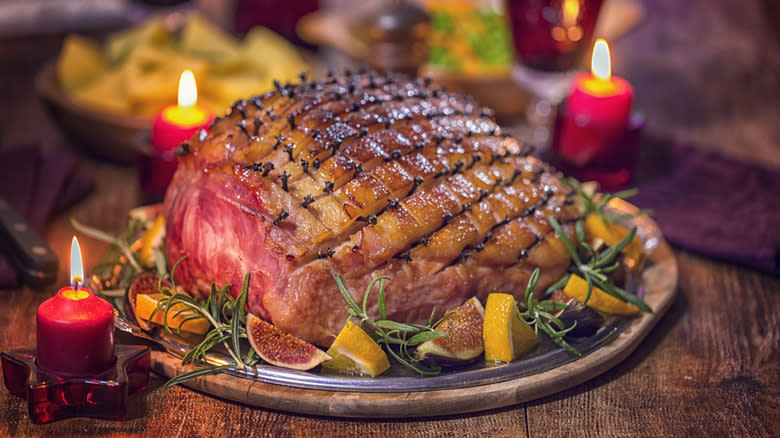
x=704 y=71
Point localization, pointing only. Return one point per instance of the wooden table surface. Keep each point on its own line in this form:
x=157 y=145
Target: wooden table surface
x=704 y=71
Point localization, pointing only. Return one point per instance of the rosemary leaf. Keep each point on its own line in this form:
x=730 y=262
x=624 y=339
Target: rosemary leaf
x=354 y=309
x=421 y=337
x=160 y=261
x=537 y=316
x=105 y=237
x=238 y=312
x=200 y=372
x=565 y=239
x=558 y=284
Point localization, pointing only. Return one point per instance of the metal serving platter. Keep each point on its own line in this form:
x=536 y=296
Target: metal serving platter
x=660 y=272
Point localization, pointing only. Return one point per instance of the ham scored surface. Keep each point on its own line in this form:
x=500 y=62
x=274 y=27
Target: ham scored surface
x=361 y=176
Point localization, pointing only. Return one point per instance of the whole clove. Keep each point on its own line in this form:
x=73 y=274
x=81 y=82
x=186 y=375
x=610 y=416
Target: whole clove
x=282 y=216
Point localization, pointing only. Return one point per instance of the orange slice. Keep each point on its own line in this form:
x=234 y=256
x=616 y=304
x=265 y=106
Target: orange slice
x=577 y=288
x=354 y=352
x=612 y=234
x=505 y=335
x=145 y=305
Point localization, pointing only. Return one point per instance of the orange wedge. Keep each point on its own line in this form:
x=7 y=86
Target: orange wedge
x=612 y=234
x=577 y=288
x=505 y=335
x=354 y=352
x=145 y=305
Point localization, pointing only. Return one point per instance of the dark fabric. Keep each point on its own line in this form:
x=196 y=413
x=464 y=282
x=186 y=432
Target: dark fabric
x=712 y=205
x=39 y=187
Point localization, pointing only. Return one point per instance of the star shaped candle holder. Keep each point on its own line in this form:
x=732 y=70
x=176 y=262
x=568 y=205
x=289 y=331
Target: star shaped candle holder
x=53 y=397
x=76 y=370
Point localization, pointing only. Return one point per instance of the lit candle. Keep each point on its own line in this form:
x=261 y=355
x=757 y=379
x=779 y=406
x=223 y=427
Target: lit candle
x=173 y=125
x=75 y=329
x=596 y=113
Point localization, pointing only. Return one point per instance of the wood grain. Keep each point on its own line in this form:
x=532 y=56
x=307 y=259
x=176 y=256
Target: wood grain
x=706 y=371
x=703 y=71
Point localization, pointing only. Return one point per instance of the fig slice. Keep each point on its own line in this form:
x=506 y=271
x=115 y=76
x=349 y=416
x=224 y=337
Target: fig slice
x=464 y=343
x=588 y=320
x=280 y=348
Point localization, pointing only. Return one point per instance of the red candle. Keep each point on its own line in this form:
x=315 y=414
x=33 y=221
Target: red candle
x=75 y=329
x=596 y=114
x=173 y=125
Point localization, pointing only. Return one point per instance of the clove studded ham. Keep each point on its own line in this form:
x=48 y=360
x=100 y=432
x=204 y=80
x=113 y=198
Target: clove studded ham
x=362 y=175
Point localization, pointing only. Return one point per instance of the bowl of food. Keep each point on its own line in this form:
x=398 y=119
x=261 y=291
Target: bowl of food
x=103 y=95
x=105 y=134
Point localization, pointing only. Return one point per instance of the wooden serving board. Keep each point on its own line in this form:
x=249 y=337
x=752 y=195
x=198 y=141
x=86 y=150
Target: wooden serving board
x=660 y=282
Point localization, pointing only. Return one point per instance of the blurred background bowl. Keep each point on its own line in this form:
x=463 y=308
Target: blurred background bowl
x=497 y=91
x=106 y=135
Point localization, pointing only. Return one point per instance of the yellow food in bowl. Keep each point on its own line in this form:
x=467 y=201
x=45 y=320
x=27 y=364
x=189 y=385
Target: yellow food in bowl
x=136 y=71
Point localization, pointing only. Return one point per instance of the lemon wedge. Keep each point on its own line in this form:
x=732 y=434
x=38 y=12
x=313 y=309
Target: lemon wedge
x=505 y=335
x=577 y=288
x=145 y=305
x=354 y=352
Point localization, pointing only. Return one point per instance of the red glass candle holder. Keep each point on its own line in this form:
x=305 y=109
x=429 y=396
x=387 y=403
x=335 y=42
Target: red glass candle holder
x=51 y=397
x=552 y=35
x=592 y=151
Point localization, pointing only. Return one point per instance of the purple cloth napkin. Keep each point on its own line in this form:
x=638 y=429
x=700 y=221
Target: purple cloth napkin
x=712 y=205
x=38 y=186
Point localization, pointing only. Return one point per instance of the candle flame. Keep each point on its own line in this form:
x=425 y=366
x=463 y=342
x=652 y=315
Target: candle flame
x=570 y=12
x=600 y=64
x=76 y=268
x=188 y=90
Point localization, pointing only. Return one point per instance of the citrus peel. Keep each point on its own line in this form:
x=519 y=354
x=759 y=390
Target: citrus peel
x=505 y=335
x=354 y=352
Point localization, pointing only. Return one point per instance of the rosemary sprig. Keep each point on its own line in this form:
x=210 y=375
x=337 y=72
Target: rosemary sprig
x=592 y=201
x=228 y=321
x=120 y=243
x=539 y=315
x=596 y=267
x=398 y=339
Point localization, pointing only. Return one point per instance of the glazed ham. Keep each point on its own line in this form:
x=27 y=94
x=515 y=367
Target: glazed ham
x=362 y=176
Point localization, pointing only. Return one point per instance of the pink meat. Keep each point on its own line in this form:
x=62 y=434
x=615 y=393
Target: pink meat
x=360 y=177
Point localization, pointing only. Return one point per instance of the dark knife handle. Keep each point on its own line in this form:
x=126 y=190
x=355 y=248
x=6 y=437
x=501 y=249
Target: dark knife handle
x=35 y=262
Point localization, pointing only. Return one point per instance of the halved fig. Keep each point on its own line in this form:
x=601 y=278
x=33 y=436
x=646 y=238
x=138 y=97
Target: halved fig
x=588 y=320
x=280 y=348
x=464 y=343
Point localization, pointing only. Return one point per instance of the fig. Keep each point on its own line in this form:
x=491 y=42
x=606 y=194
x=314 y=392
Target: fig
x=588 y=320
x=280 y=348
x=463 y=343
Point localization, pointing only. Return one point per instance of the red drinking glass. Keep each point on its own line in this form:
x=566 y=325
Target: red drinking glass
x=553 y=35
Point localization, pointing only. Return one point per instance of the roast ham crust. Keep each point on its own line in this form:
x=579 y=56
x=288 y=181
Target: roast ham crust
x=361 y=176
